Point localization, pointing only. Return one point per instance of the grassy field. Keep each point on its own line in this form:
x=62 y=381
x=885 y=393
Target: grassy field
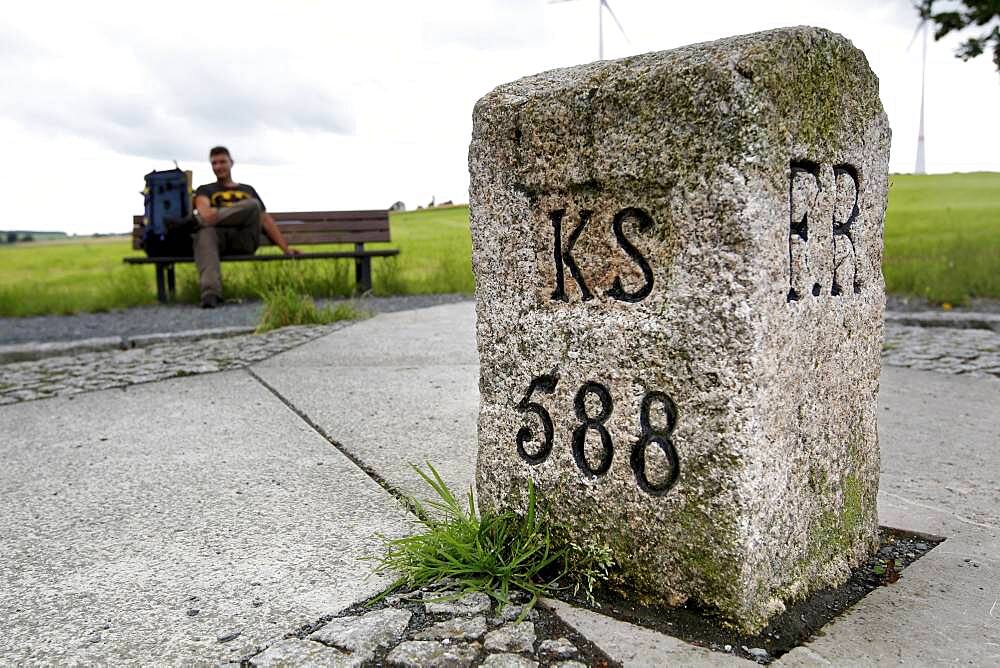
x=942 y=242
x=88 y=274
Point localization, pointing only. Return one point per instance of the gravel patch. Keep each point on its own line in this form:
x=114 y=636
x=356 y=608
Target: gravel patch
x=161 y=319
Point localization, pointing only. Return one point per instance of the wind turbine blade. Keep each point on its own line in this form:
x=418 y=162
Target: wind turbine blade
x=608 y=7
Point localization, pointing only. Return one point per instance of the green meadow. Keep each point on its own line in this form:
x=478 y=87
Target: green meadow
x=942 y=237
x=87 y=274
x=942 y=243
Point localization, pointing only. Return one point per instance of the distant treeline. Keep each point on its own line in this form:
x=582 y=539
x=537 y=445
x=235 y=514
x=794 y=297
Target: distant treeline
x=15 y=236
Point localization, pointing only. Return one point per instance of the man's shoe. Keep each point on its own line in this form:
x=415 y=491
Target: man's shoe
x=211 y=301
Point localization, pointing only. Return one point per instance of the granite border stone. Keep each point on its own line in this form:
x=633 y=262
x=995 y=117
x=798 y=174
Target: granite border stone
x=28 y=352
x=950 y=319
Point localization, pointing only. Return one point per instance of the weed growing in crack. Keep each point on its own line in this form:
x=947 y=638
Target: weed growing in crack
x=494 y=553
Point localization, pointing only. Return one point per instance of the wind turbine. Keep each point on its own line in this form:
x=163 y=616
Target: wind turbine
x=921 y=166
x=601 y=6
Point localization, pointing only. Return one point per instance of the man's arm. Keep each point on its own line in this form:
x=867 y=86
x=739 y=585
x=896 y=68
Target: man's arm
x=206 y=213
x=274 y=234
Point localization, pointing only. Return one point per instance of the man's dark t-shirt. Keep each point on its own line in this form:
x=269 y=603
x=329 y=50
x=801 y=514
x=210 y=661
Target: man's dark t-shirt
x=223 y=196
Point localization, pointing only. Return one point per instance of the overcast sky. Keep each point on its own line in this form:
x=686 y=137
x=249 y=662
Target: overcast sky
x=336 y=105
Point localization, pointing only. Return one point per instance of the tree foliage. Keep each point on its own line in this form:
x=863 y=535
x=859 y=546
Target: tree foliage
x=959 y=15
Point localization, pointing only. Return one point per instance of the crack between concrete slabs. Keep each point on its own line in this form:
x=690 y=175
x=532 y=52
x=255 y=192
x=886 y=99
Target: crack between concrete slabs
x=944 y=511
x=399 y=495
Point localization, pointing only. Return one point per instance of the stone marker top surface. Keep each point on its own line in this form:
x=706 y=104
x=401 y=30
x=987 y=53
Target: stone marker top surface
x=743 y=101
x=679 y=301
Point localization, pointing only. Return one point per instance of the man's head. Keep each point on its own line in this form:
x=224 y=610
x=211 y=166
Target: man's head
x=222 y=163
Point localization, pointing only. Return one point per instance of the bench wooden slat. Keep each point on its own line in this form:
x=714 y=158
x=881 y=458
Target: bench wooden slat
x=287 y=226
x=372 y=214
x=315 y=227
x=308 y=238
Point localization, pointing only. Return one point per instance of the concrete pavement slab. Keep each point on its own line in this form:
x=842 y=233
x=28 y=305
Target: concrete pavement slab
x=400 y=388
x=191 y=520
x=940 y=451
x=424 y=337
x=637 y=647
x=940 y=475
x=943 y=611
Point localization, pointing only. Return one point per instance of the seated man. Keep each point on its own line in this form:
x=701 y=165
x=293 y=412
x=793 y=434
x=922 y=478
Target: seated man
x=230 y=216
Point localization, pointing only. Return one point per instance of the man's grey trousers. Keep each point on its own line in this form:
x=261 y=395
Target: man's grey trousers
x=236 y=232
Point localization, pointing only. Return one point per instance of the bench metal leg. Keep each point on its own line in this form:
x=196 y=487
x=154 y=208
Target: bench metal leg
x=171 y=283
x=166 y=283
x=362 y=271
x=161 y=284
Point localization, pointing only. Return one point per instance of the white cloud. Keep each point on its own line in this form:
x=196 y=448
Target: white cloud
x=336 y=105
x=151 y=99
x=493 y=25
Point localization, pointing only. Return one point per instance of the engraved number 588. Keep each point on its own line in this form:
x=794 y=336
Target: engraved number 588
x=659 y=436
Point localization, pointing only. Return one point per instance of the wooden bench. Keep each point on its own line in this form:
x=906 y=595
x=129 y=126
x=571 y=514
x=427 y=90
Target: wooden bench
x=302 y=228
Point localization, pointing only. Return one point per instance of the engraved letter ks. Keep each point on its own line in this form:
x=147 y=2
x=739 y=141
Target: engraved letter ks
x=617 y=290
x=563 y=255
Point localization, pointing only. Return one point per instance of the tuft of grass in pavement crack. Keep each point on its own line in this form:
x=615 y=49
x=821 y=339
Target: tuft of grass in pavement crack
x=489 y=552
x=284 y=306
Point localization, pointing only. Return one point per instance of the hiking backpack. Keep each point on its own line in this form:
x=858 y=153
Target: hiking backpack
x=167 y=218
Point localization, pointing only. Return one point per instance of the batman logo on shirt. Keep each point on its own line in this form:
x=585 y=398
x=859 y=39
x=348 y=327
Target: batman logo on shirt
x=225 y=198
